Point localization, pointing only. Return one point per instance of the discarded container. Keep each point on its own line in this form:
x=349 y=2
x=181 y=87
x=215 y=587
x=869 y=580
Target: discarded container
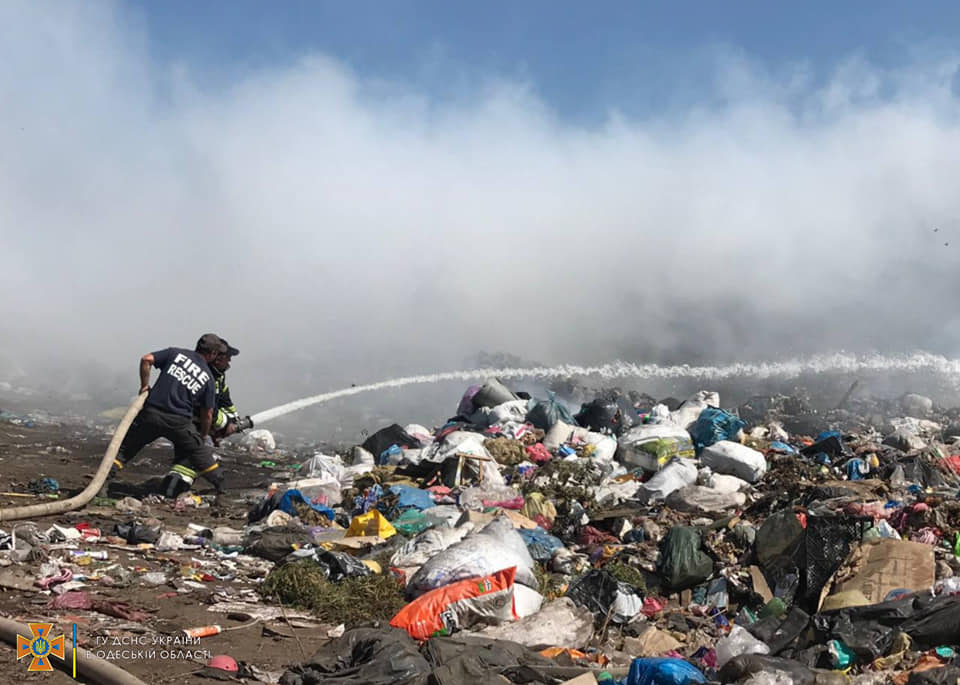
x=202 y=631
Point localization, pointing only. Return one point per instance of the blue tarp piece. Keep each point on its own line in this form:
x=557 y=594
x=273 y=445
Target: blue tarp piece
x=412 y=497
x=291 y=496
x=713 y=426
x=662 y=672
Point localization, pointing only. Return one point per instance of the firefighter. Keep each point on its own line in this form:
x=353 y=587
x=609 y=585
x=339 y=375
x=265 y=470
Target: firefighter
x=186 y=386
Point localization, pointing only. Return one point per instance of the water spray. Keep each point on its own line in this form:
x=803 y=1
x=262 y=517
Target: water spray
x=845 y=363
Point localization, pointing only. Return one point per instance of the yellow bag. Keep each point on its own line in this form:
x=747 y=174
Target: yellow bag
x=371 y=523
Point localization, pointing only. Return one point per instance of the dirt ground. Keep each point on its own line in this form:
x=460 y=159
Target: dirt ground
x=70 y=453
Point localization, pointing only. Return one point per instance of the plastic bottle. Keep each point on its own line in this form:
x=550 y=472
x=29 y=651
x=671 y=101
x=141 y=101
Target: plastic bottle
x=100 y=555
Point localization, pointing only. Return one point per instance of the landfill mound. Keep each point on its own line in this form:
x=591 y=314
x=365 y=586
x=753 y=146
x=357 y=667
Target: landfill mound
x=626 y=540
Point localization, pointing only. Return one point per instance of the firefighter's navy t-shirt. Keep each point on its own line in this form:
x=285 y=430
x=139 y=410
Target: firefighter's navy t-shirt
x=185 y=382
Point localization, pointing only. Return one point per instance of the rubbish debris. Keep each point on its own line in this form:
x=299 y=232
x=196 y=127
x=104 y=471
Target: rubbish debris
x=627 y=540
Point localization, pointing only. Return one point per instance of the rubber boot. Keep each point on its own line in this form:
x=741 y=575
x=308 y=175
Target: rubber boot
x=174 y=485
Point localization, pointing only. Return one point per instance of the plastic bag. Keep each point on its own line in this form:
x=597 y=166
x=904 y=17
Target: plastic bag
x=677 y=474
x=651 y=446
x=371 y=523
x=686 y=414
x=738 y=642
x=560 y=623
x=695 y=499
x=714 y=425
x=410 y=496
x=682 y=564
x=461 y=605
x=734 y=459
x=491 y=394
x=660 y=671
x=427 y=544
x=481 y=553
x=613 y=415
x=541 y=544
x=339 y=565
x=544 y=414
x=600 y=592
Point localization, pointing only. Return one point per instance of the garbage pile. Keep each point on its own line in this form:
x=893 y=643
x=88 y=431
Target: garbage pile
x=634 y=541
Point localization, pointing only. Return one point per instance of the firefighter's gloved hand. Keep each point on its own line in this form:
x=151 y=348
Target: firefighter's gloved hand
x=208 y=441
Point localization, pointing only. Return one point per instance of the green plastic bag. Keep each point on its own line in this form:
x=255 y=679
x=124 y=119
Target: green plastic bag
x=682 y=563
x=412 y=522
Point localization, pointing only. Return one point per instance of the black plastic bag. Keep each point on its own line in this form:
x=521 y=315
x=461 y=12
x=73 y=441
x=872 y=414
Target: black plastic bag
x=832 y=446
x=614 y=415
x=376 y=656
x=935 y=621
x=745 y=665
x=779 y=634
x=277 y=542
x=136 y=533
x=868 y=639
x=597 y=591
x=682 y=563
x=340 y=565
x=385 y=438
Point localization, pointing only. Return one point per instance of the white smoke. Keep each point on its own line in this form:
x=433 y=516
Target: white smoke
x=337 y=229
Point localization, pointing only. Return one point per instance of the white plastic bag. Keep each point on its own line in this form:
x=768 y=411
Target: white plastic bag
x=427 y=545
x=696 y=499
x=677 y=474
x=259 y=439
x=737 y=642
x=526 y=601
x=494 y=547
x=734 y=459
x=560 y=623
x=689 y=412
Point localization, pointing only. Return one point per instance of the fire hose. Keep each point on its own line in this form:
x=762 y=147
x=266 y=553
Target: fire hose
x=88 y=493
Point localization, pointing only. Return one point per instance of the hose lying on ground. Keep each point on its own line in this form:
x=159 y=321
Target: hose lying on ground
x=78 y=501
x=92 y=668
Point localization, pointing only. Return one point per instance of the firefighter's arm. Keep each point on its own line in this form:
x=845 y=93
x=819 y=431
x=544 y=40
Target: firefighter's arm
x=206 y=419
x=146 y=363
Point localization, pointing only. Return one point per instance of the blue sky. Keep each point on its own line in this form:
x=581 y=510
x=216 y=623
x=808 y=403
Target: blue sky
x=583 y=59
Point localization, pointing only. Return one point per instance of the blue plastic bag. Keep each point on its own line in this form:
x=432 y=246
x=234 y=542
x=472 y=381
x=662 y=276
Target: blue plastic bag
x=291 y=496
x=540 y=543
x=662 y=671
x=713 y=426
x=783 y=447
x=412 y=497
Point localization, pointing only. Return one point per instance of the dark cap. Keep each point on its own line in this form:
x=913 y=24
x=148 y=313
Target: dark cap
x=210 y=342
x=232 y=351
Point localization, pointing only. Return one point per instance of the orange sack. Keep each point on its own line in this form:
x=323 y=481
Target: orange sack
x=459 y=605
